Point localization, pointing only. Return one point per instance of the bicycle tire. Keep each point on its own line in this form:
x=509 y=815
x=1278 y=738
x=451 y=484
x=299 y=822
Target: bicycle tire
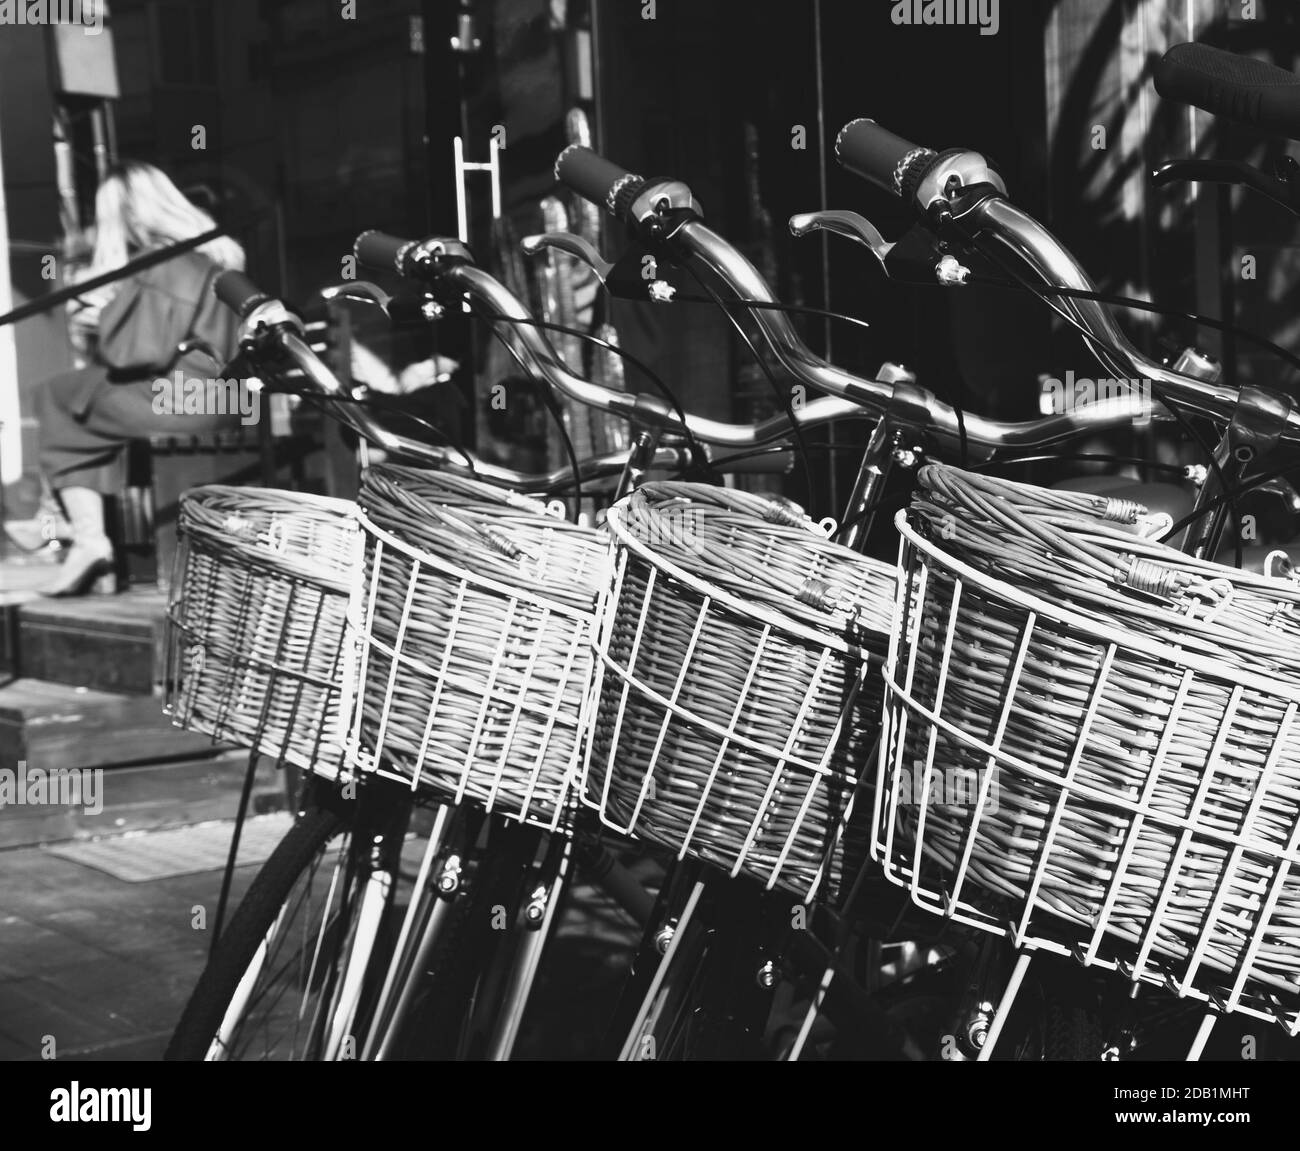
x=1072 y=1034
x=1060 y=1021
x=250 y=925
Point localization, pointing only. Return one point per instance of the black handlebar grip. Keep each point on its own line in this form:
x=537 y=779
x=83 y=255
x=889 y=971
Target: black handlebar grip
x=381 y=251
x=594 y=178
x=1237 y=87
x=238 y=293
x=876 y=154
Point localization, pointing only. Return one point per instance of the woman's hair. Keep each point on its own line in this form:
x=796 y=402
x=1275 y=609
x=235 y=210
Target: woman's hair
x=137 y=208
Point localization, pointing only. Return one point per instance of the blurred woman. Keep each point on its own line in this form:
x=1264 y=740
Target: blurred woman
x=130 y=333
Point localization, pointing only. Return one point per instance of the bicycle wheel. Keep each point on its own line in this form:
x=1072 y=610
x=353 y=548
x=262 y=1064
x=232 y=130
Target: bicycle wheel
x=1058 y=1018
x=266 y=991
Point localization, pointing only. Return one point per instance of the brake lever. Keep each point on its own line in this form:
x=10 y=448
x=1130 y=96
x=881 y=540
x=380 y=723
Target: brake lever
x=1280 y=488
x=917 y=260
x=194 y=344
x=575 y=246
x=1280 y=188
x=849 y=224
x=363 y=291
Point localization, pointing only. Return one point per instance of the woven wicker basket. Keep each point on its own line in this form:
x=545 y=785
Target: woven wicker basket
x=1092 y=743
x=734 y=709
x=256 y=621
x=474 y=622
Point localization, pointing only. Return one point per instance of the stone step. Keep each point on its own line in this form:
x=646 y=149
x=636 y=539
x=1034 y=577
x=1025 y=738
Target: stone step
x=8 y=639
x=105 y=643
x=55 y=725
x=20 y=576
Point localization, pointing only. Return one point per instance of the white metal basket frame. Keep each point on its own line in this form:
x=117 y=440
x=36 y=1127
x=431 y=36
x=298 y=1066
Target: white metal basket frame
x=199 y=655
x=916 y=555
x=190 y=651
x=577 y=660
x=621 y=544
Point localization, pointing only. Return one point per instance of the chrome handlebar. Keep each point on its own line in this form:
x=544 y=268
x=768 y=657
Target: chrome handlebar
x=271 y=323
x=528 y=340
x=322 y=382
x=997 y=226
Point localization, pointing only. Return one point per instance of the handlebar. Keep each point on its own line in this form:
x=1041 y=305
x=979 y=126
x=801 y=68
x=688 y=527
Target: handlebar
x=972 y=197
x=238 y=293
x=1236 y=87
x=596 y=179
x=446 y=264
x=591 y=470
x=906 y=403
x=271 y=335
x=876 y=154
x=954 y=192
x=380 y=250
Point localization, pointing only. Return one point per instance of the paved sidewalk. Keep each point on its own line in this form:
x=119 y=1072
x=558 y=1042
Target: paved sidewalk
x=100 y=967
x=103 y=967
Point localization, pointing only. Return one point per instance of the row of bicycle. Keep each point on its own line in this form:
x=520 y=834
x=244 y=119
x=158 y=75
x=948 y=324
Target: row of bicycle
x=874 y=791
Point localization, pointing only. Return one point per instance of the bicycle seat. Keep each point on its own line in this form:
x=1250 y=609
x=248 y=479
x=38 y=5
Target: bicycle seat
x=1236 y=87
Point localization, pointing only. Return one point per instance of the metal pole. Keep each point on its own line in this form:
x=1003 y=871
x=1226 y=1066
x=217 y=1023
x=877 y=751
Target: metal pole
x=99 y=137
x=827 y=334
x=11 y=455
x=233 y=855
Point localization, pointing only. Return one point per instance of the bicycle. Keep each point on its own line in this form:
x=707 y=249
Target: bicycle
x=335 y=998
x=966 y=198
x=698 y=915
x=1257 y=424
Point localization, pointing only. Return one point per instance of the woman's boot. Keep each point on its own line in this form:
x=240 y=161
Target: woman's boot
x=88 y=566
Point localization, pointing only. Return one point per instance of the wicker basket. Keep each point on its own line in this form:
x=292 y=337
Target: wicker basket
x=1092 y=743
x=474 y=622
x=256 y=621
x=734 y=709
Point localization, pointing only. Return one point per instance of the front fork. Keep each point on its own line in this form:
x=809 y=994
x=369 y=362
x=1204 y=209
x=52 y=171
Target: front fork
x=439 y=883
x=707 y=971
x=543 y=887
x=537 y=867
x=383 y=816
x=989 y=996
